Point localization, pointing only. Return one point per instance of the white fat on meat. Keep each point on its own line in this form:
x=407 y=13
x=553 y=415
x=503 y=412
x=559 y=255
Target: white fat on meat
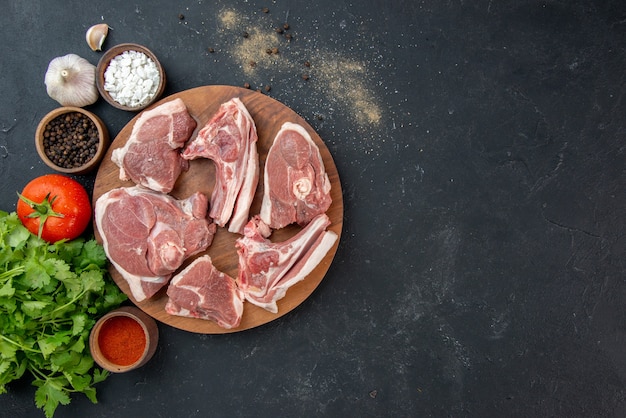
x=229 y=139
x=267 y=270
x=296 y=186
x=147 y=235
x=151 y=155
x=201 y=291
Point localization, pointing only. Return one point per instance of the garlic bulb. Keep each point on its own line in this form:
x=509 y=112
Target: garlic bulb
x=96 y=35
x=71 y=81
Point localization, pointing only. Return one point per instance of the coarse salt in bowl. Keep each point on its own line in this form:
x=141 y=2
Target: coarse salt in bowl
x=130 y=77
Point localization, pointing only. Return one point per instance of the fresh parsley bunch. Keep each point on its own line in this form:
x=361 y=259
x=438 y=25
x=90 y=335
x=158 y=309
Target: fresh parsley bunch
x=50 y=297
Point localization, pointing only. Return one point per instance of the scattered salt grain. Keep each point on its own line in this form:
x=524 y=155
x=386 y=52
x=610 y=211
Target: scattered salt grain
x=132 y=78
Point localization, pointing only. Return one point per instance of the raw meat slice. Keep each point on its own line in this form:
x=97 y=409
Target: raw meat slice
x=229 y=139
x=296 y=184
x=267 y=270
x=151 y=156
x=202 y=291
x=147 y=235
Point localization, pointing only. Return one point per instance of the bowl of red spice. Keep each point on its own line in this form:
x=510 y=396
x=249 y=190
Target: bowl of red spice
x=124 y=339
x=71 y=140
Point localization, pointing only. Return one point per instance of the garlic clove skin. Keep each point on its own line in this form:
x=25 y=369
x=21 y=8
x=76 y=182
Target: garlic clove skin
x=96 y=35
x=71 y=81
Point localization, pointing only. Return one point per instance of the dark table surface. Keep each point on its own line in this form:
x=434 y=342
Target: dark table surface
x=481 y=149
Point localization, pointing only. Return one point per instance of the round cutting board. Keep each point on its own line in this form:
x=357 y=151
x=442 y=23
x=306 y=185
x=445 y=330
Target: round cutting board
x=268 y=115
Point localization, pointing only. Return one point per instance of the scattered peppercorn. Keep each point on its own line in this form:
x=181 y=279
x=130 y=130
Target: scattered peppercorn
x=252 y=63
x=246 y=85
x=211 y=50
x=268 y=87
x=288 y=36
x=278 y=30
x=307 y=64
x=181 y=16
x=245 y=34
x=70 y=140
x=286 y=26
x=265 y=10
x=268 y=51
x=305 y=77
x=274 y=50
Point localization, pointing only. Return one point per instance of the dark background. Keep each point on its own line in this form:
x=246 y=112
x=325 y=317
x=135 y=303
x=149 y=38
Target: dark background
x=481 y=149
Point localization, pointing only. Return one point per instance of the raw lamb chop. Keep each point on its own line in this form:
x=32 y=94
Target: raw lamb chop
x=296 y=184
x=151 y=156
x=147 y=235
x=202 y=291
x=229 y=139
x=267 y=270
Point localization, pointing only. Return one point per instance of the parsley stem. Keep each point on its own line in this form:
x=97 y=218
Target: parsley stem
x=11 y=273
x=7 y=339
x=70 y=303
x=36 y=371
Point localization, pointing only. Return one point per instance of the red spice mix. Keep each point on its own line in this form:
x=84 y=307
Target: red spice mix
x=122 y=340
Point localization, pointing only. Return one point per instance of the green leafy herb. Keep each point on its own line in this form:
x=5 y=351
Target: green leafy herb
x=50 y=297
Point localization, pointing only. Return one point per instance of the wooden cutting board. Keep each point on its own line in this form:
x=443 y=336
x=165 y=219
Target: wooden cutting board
x=269 y=115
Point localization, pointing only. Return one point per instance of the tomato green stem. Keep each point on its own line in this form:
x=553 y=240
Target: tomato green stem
x=41 y=210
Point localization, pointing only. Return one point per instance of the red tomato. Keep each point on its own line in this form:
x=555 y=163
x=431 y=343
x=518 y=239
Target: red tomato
x=54 y=207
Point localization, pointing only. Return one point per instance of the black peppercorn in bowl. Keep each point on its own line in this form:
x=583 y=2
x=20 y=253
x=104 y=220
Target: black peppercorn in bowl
x=71 y=140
